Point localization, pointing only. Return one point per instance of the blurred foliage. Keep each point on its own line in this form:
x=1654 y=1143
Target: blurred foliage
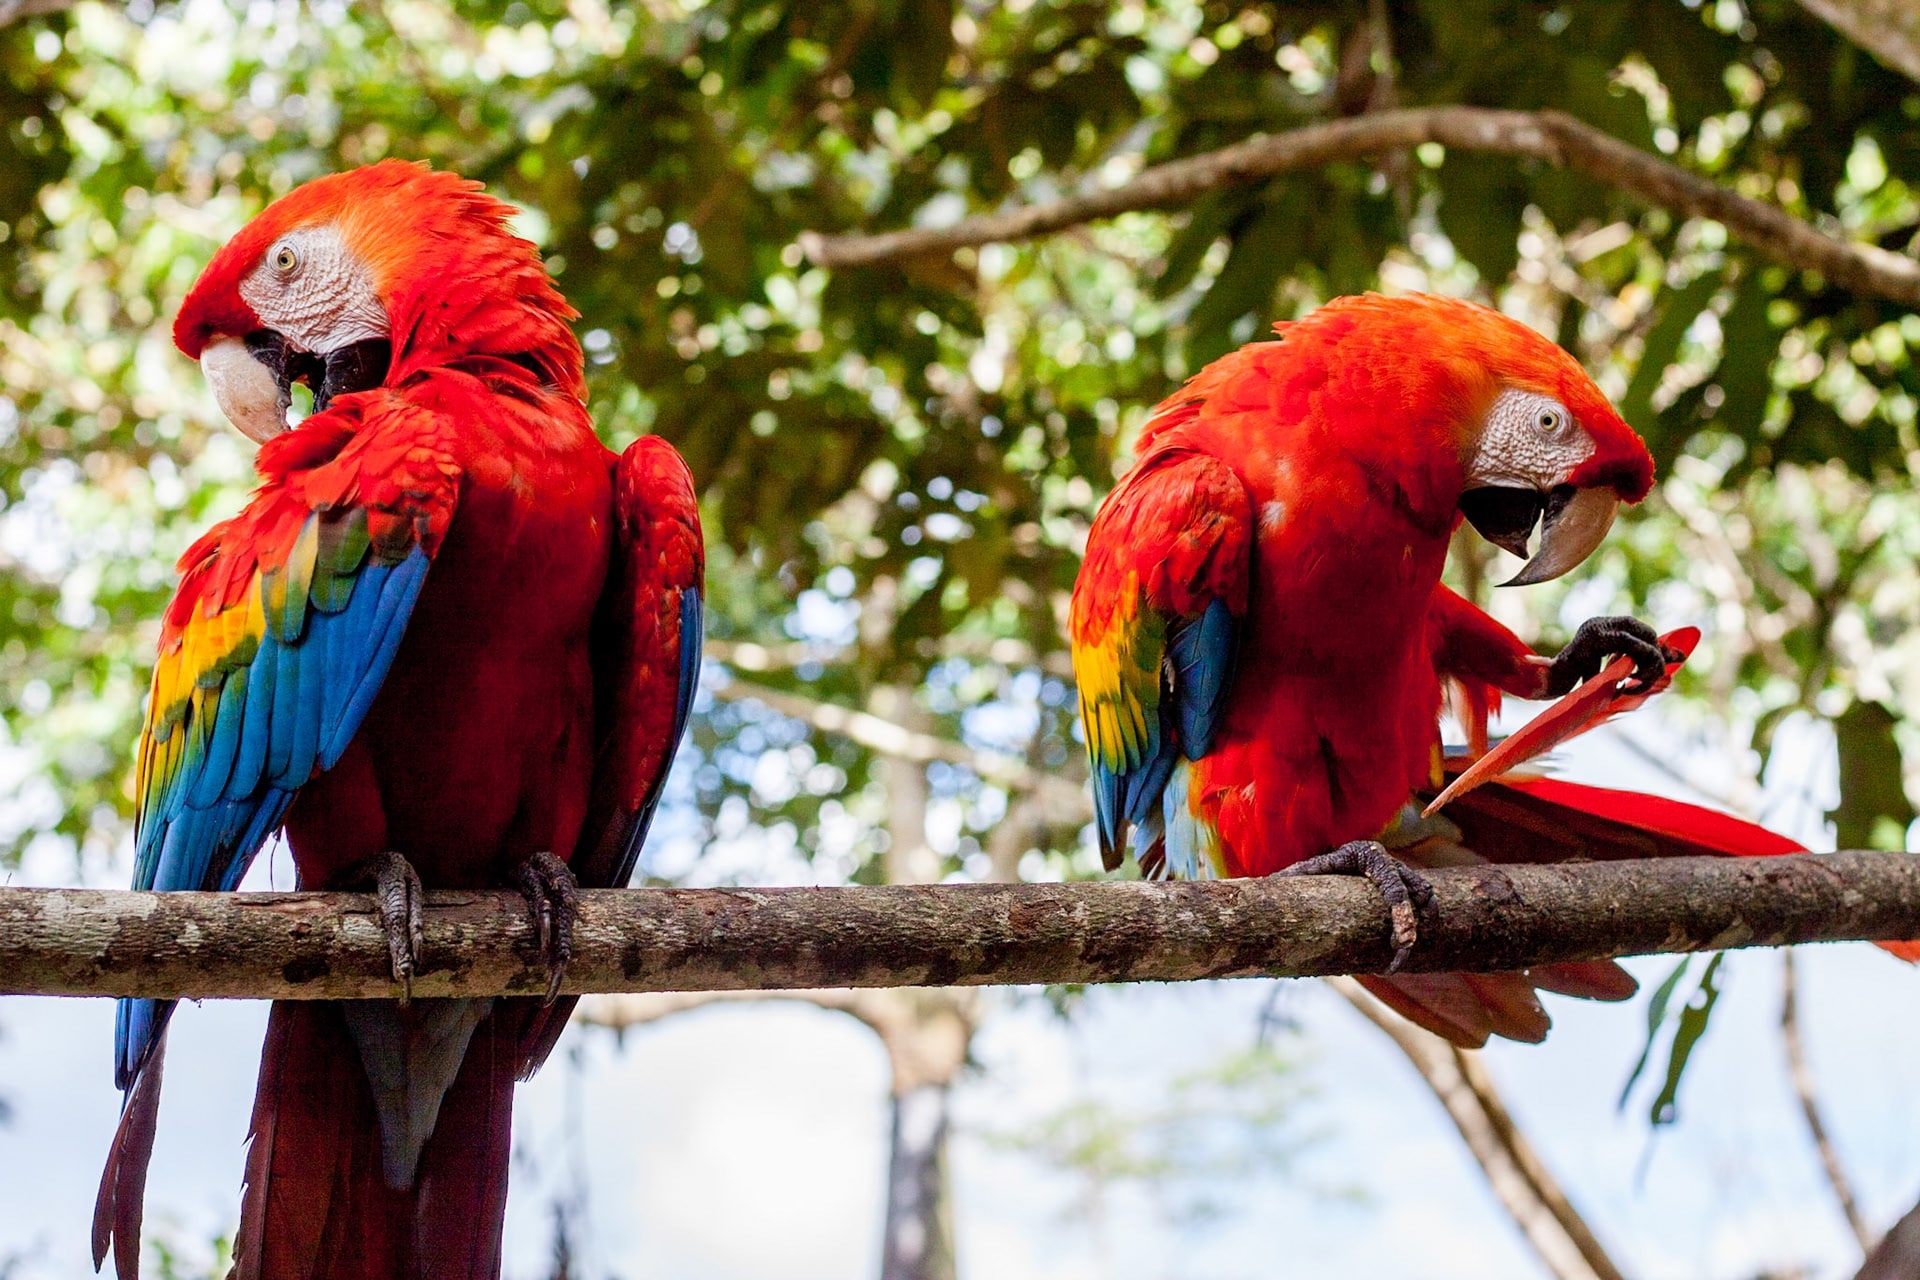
x=1200 y=1142
x=900 y=463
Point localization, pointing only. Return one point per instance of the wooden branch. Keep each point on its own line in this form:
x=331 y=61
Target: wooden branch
x=1887 y=29
x=1897 y=1256
x=1548 y=136
x=478 y=943
x=1800 y=1073
x=1520 y=1179
x=12 y=11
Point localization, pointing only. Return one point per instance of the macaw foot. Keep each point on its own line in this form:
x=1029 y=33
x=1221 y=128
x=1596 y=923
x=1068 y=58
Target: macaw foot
x=399 y=895
x=1405 y=890
x=1601 y=638
x=551 y=890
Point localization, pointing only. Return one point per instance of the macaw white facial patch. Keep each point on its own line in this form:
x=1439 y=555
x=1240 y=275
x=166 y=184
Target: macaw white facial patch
x=313 y=290
x=1529 y=441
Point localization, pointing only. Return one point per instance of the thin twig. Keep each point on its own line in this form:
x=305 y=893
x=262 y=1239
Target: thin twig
x=1802 y=1076
x=1519 y=1178
x=1549 y=136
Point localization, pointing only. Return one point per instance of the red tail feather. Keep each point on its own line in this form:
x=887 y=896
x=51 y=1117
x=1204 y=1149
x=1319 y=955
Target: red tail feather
x=1552 y=820
x=316 y=1206
x=118 y=1208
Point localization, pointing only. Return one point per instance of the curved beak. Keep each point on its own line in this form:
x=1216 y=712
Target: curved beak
x=253 y=377
x=1573 y=522
x=252 y=395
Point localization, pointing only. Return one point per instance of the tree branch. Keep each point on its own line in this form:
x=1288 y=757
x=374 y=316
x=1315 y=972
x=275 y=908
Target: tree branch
x=1526 y=1189
x=1897 y=1257
x=478 y=943
x=12 y=11
x=1887 y=29
x=1549 y=136
x=1801 y=1075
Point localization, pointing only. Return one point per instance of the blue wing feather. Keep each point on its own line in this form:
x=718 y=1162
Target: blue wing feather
x=1196 y=676
x=253 y=739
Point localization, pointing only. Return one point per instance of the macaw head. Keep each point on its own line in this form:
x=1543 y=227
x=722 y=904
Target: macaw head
x=358 y=279
x=1536 y=442
x=1543 y=446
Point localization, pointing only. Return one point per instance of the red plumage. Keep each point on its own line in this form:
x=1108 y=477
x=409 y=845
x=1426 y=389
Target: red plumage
x=452 y=625
x=1262 y=640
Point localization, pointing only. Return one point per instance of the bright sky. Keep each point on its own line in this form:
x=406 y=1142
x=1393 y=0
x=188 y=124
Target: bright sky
x=750 y=1143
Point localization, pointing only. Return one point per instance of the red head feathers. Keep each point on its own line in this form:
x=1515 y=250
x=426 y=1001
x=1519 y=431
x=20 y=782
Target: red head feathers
x=364 y=277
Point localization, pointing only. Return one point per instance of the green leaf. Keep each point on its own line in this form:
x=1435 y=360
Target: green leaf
x=1481 y=198
x=1693 y=1025
x=1678 y=310
x=1656 y=1018
x=1873 y=794
x=1746 y=359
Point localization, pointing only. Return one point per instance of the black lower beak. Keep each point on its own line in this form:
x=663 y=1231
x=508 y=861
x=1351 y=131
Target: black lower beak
x=358 y=366
x=1504 y=516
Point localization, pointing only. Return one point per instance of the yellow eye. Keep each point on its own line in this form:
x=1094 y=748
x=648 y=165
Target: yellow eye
x=285 y=259
x=1550 y=421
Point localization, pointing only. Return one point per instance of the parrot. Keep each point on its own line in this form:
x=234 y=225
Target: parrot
x=1263 y=645
x=451 y=641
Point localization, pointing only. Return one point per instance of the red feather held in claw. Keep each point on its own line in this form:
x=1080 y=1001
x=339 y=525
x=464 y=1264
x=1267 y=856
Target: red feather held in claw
x=1597 y=699
x=449 y=625
x=1681 y=828
x=1263 y=644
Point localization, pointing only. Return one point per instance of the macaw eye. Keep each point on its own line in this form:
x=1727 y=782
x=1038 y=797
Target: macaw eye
x=1550 y=421
x=285 y=260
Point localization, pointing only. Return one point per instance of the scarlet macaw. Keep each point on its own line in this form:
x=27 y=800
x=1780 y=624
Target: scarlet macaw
x=451 y=642
x=1261 y=636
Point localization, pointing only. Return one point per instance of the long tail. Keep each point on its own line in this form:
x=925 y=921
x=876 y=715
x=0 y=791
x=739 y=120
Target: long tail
x=319 y=1204
x=1550 y=820
x=118 y=1208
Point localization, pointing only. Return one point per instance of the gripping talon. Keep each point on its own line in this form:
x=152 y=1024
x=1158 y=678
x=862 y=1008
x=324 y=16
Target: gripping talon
x=401 y=900
x=1601 y=638
x=551 y=892
x=1405 y=891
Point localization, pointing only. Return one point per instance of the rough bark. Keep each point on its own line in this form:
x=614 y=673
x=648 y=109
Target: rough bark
x=329 y=946
x=1548 y=136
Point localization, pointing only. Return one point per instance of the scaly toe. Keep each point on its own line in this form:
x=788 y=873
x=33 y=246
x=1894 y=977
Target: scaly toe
x=550 y=889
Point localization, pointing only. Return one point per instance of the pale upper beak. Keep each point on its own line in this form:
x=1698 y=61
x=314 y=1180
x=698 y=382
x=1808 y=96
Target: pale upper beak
x=253 y=399
x=1573 y=522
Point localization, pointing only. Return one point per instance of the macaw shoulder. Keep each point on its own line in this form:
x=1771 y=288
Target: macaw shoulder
x=1176 y=528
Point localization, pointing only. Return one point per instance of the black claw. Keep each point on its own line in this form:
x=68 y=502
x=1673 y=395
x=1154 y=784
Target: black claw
x=401 y=899
x=1599 y=639
x=1406 y=892
x=551 y=892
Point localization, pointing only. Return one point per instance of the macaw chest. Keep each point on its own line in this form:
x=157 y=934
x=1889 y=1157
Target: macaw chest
x=480 y=744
